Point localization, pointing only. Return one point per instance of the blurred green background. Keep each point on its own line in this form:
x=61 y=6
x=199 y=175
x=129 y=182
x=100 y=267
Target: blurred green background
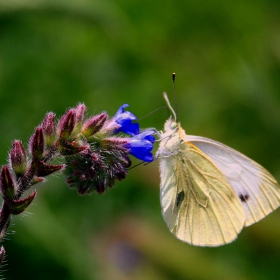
x=54 y=54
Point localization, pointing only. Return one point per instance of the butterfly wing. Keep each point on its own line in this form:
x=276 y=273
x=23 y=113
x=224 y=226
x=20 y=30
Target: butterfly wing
x=255 y=186
x=198 y=203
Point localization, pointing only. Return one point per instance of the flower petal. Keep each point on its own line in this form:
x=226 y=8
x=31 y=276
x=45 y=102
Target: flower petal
x=129 y=128
x=142 y=154
x=146 y=135
x=125 y=119
x=141 y=145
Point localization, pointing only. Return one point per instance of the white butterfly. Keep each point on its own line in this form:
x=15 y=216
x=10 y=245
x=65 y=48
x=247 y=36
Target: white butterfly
x=209 y=191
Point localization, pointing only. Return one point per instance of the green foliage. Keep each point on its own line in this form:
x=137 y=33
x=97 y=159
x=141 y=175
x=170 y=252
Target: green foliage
x=54 y=54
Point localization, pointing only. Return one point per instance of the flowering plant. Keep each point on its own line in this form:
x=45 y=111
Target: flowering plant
x=95 y=156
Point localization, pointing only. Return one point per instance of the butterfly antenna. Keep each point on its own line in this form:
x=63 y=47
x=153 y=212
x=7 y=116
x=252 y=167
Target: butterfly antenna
x=175 y=101
x=174 y=93
x=168 y=104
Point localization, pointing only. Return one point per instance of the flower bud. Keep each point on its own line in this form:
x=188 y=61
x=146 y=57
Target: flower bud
x=119 y=172
x=49 y=128
x=80 y=114
x=18 y=158
x=67 y=124
x=37 y=143
x=94 y=124
x=67 y=148
x=125 y=161
x=115 y=143
x=18 y=206
x=44 y=169
x=7 y=183
x=100 y=187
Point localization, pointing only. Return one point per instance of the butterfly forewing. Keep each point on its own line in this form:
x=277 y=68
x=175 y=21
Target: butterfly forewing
x=256 y=188
x=198 y=203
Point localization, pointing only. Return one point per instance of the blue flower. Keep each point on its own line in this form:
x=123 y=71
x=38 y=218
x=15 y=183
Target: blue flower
x=141 y=145
x=125 y=119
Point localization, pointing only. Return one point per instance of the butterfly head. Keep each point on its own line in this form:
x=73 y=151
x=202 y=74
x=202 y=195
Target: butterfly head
x=170 y=125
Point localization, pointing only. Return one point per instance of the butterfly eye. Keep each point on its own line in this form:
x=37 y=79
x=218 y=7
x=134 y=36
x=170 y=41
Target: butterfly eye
x=173 y=125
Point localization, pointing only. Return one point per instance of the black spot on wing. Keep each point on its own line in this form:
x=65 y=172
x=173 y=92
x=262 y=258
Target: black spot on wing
x=179 y=198
x=244 y=197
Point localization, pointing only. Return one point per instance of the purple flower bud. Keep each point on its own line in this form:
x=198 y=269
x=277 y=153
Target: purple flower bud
x=67 y=148
x=7 y=183
x=123 y=122
x=94 y=124
x=82 y=189
x=67 y=124
x=18 y=158
x=114 y=143
x=100 y=187
x=141 y=145
x=37 y=143
x=44 y=169
x=18 y=206
x=125 y=161
x=80 y=116
x=80 y=113
x=120 y=172
x=49 y=128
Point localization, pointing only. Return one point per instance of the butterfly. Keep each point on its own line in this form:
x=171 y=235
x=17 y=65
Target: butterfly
x=209 y=191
